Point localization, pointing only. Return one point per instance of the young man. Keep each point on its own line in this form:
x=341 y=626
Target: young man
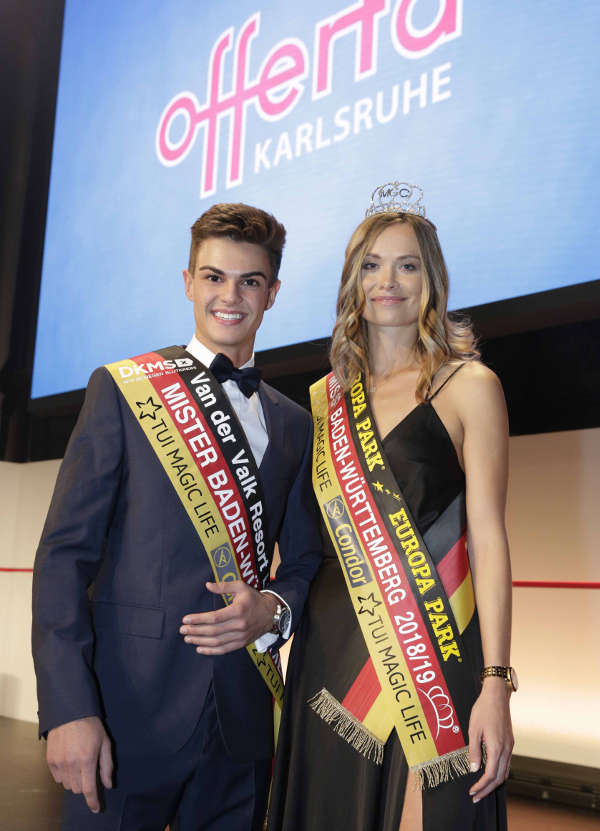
x=145 y=683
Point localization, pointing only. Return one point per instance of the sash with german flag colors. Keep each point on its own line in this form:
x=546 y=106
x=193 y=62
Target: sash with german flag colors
x=197 y=438
x=412 y=609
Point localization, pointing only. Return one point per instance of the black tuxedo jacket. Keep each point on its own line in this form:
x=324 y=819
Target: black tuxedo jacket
x=119 y=565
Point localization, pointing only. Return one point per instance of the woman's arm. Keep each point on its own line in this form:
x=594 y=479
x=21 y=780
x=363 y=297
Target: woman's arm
x=482 y=411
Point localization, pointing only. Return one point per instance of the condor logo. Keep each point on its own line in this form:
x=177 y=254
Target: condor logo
x=151 y=368
x=223 y=563
x=347 y=544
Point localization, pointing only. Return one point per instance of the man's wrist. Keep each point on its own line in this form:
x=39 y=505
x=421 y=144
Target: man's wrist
x=272 y=603
x=281 y=622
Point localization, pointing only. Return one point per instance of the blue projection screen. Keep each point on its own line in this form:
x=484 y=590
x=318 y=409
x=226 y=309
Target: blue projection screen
x=302 y=109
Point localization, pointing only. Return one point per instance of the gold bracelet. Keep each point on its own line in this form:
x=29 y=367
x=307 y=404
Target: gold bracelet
x=508 y=673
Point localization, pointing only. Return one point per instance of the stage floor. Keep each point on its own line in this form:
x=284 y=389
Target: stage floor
x=30 y=799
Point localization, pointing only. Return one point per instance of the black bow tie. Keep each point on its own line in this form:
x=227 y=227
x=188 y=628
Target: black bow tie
x=247 y=379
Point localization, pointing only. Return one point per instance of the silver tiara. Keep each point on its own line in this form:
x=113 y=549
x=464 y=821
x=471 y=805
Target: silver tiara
x=396 y=197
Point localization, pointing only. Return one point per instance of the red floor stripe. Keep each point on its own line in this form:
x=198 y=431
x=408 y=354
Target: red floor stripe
x=520 y=584
x=554 y=584
x=15 y=569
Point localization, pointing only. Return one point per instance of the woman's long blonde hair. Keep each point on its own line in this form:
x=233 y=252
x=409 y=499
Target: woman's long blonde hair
x=439 y=339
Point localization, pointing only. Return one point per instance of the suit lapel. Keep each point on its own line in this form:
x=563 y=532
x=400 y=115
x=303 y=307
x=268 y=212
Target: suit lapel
x=274 y=423
x=272 y=458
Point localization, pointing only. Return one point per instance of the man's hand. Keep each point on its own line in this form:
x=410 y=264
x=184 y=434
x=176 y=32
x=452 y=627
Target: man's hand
x=74 y=753
x=249 y=616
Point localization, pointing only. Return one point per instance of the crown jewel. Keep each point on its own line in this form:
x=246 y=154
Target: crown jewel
x=396 y=197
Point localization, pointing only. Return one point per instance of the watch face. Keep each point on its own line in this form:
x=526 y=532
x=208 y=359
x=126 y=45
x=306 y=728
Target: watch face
x=512 y=673
x=284 y=620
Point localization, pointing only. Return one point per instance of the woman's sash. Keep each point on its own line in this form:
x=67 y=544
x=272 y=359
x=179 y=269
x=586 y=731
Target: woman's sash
x=418 y=680
x=196 y=436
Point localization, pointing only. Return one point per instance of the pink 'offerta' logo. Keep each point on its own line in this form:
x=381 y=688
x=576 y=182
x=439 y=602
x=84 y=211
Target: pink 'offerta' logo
x=279 y=83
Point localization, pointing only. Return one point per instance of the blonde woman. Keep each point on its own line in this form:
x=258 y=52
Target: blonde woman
x=397 y=703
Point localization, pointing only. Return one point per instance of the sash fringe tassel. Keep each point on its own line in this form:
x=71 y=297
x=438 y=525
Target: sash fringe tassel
x=428 y=774
x=432 y=773
x=347 y=726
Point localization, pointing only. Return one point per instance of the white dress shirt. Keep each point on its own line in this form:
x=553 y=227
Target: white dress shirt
x=252 y=419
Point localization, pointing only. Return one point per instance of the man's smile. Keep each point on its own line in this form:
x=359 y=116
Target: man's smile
x=228 y=317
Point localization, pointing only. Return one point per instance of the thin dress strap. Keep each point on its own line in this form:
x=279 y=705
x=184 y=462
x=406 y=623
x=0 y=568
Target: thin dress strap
x=430 y=397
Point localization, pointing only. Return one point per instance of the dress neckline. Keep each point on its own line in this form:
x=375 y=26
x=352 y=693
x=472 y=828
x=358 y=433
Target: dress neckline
x=402 y=420
x=427 y=402
x=430 y=406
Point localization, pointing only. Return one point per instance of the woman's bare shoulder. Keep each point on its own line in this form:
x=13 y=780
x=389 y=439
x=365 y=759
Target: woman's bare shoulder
x=477 y=390
x=475 y=373
x=468 y=374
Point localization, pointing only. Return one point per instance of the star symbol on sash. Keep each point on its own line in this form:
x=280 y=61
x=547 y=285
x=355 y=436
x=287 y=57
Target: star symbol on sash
x=378 y=486
x=148 y=409
x=368 y=604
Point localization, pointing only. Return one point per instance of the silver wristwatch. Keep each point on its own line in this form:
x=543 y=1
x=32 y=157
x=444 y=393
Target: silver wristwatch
x=281 y=619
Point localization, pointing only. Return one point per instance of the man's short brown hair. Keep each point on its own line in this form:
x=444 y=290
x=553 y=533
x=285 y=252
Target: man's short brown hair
x=242 y=223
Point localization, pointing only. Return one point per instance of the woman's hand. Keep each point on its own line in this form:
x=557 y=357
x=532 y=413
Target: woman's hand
x=490 y=723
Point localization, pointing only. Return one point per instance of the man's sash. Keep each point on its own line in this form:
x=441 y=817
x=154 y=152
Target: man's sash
x=194 y=431
x=417 y=679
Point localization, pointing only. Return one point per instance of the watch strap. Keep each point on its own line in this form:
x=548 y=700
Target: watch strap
x=276 y=627
x=499 y=672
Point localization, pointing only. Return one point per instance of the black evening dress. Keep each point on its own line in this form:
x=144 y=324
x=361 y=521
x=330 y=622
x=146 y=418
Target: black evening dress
x=321 y=783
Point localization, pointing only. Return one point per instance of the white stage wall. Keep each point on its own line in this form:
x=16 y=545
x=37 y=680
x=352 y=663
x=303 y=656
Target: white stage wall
x=554 y=527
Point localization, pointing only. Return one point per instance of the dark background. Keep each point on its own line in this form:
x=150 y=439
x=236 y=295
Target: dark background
x=544 y=347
